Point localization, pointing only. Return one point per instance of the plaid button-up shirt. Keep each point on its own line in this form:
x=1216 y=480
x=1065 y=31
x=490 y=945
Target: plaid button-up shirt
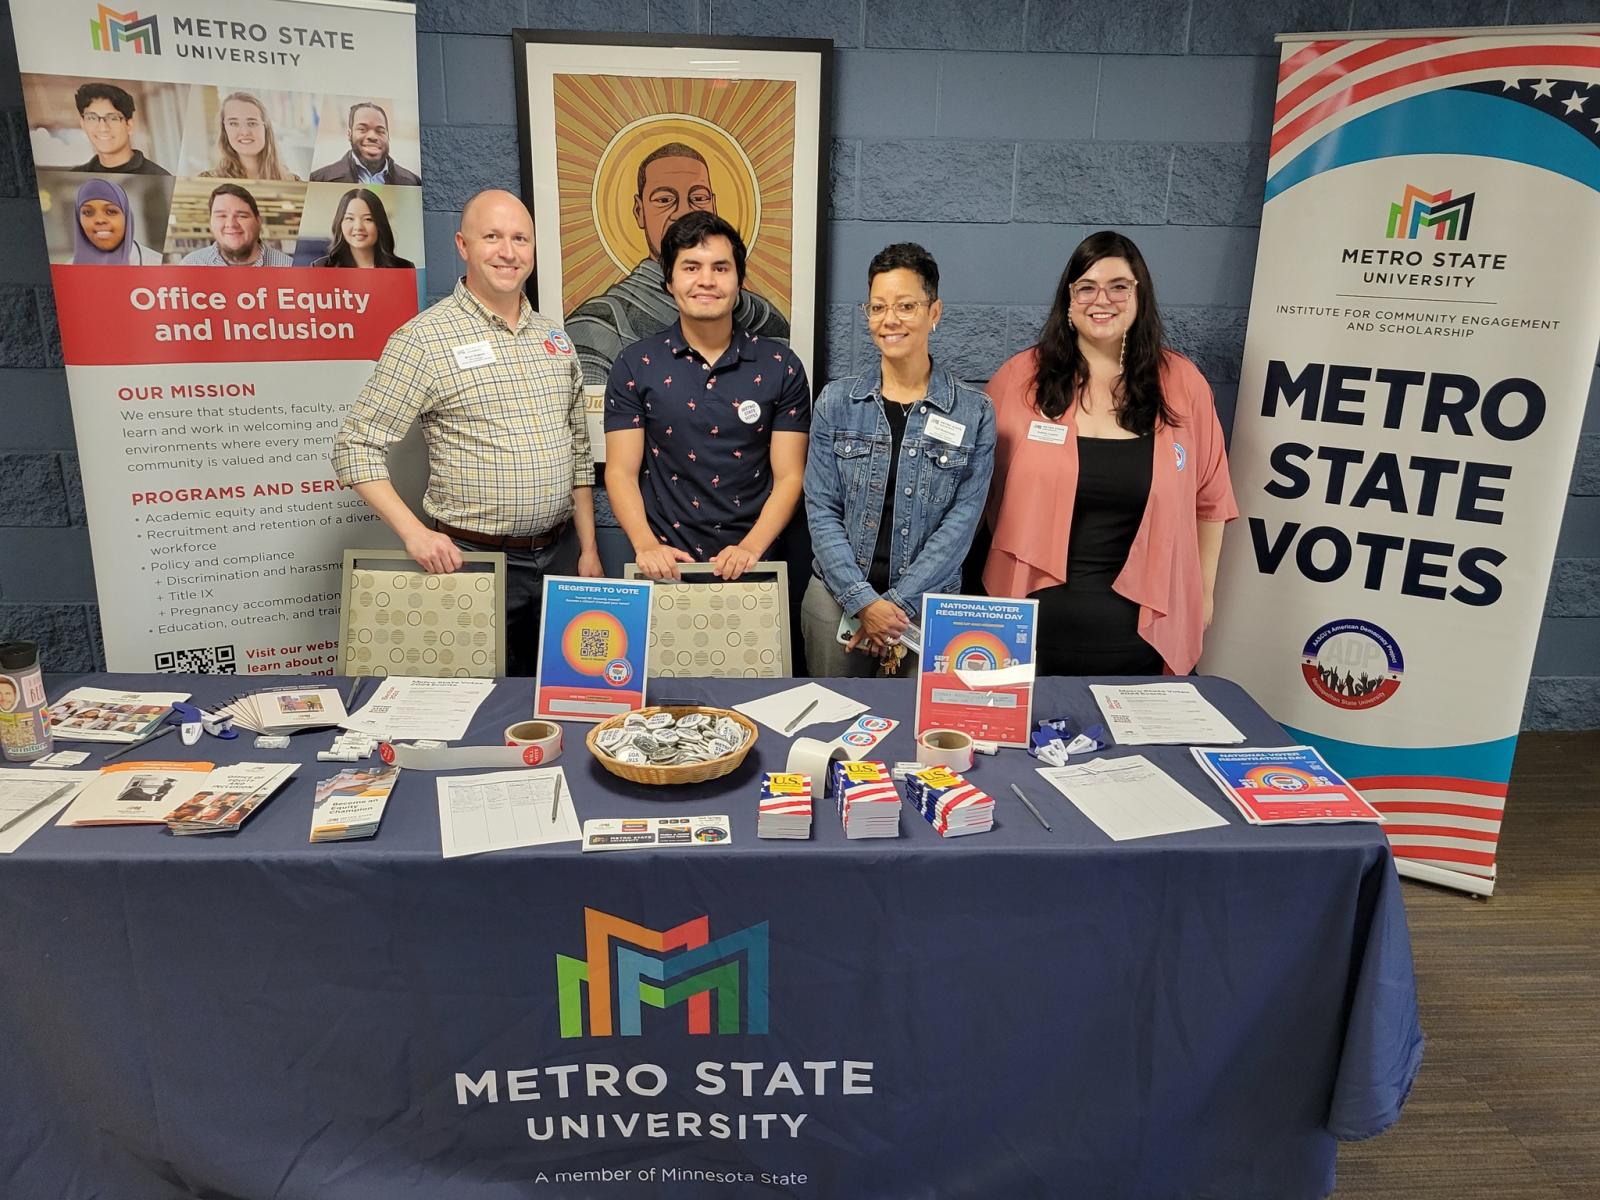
x=507 y=439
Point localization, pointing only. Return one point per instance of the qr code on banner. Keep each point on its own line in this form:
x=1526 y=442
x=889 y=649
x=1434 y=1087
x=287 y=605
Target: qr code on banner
x=206 y=660
x=594 y=643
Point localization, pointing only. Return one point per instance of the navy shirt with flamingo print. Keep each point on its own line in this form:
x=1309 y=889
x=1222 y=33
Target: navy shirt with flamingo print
x=707 y=431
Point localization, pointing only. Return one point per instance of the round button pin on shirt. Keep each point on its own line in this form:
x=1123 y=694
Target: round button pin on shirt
x=749 y=412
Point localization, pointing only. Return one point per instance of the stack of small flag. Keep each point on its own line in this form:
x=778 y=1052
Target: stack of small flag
x=868 y=804
x=785 y=805
x=949 y=803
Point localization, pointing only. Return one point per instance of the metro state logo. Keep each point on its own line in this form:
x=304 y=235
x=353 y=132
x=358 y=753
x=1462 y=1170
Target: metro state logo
x=1445 y=218
x=1352 y=664
x=111 y=30
x=628 y=968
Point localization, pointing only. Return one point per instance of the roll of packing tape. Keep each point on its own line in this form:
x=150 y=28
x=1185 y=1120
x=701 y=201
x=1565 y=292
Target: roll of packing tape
x=542 y=736
x=811 y=757
x=945 y=748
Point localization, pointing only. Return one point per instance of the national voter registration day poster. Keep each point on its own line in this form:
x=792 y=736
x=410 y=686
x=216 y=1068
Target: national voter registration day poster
x=594 y=642
x=1421 y=342
x=964 y=635
x=231 y=199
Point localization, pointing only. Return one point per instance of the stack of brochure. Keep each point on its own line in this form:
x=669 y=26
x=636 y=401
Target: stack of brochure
x=868 y=804
x=1284 y=785
x=285 y=710
x=949 y=803
x=785 y=805
x=227 y=797
x=90 y=714
x=350 y=805
x=134 y=793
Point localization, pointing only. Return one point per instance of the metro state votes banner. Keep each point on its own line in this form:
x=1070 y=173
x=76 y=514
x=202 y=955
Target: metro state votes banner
x=232 y=205
x=1421 y=344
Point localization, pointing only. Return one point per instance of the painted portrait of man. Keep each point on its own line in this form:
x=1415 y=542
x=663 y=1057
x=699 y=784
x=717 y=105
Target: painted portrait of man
x=637 y=153
x=673 y=179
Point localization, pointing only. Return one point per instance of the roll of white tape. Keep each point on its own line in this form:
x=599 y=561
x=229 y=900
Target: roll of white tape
x=945 y=748
x=543 y=736
x=811 y=757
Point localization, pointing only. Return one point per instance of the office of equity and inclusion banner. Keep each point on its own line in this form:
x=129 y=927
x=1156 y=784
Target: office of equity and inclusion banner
x=214 y=175
x=1422 y=338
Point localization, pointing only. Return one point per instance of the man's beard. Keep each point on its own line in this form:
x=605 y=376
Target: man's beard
x=240 y=257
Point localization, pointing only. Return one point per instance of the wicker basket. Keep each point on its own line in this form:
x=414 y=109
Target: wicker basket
x=712 y=768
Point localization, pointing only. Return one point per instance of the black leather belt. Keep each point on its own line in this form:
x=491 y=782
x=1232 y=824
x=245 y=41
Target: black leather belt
x=493 y=541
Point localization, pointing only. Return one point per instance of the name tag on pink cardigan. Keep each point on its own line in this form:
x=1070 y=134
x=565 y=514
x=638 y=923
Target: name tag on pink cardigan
x=1047 y=431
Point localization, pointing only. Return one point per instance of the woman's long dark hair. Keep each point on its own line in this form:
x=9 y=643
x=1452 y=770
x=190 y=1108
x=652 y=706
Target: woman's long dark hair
x=383 y=254
x=1063 y=372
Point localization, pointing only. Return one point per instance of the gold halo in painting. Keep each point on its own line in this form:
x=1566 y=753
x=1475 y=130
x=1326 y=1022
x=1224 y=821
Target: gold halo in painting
x=604 y=126
x=616 y=182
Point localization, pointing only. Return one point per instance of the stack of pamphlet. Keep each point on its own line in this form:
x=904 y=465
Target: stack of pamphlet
x=133 y=793
x=949 y=803
x=1284 y=785
x=227 y=797
x=785 y=805
x=89 y=714
x=285 y=710
x=868 y=804
x=350 y=805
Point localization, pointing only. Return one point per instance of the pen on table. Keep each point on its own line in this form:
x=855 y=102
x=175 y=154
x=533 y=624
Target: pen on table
x=33 y=808
x=799 y=716
x=160 y=733
x=350 y=697
x=555 y=801
x=1038 y=816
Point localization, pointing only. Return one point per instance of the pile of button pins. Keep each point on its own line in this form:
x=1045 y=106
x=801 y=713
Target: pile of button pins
x=662 y=740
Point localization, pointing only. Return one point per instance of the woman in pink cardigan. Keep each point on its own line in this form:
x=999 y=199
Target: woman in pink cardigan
x=1110 y=482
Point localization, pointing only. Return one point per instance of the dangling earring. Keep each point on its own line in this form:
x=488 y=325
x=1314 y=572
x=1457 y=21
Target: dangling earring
x=935 y=329
x=1122 y=351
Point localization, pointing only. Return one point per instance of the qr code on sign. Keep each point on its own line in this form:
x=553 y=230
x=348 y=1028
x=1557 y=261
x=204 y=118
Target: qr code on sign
x=595 y=643
x=212 y=660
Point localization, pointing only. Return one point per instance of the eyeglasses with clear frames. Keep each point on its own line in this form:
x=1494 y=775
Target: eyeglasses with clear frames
x=90 y=118
x=1118 y=292
x=877 y=310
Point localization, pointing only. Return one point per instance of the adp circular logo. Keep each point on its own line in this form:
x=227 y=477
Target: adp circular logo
x=619 y=672
x=1352 y=664
x=858 y=737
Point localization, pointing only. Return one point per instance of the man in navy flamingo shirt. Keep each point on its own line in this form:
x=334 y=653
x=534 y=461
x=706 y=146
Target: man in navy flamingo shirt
x=706 y=423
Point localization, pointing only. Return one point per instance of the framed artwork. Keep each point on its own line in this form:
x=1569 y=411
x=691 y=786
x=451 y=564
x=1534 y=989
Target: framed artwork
x=622 y=134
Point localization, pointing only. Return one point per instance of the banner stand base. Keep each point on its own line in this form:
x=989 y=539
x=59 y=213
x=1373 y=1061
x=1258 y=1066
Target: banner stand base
x=1475 y=885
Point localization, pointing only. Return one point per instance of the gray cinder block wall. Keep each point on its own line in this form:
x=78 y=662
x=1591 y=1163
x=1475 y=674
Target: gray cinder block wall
x=995 y=133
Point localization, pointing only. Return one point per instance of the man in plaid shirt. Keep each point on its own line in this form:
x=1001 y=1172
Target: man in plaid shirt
x=499 y=393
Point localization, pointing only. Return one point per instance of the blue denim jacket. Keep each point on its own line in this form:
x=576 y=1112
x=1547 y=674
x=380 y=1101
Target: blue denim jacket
x=941 y=487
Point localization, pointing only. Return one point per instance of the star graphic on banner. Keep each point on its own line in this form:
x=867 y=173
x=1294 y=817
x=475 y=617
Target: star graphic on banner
x=1568 y=108
x=1510 y=84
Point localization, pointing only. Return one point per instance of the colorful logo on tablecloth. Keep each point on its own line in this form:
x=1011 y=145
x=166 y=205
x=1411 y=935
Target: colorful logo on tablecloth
x=1352 y=664
x=974 y=650
x=111 y=30
x=1443 y=217
x=630 y=962
x=593 y=643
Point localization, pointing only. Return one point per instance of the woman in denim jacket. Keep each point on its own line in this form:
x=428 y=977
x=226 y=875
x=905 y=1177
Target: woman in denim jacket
x=896 y=476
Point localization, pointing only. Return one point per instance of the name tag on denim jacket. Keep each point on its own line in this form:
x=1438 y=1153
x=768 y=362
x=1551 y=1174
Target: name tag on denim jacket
x=943 y=429
x=1047 y=431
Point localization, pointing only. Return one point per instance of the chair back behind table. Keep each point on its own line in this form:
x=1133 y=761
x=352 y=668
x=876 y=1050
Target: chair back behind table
x=396 y=619
x=702 y=626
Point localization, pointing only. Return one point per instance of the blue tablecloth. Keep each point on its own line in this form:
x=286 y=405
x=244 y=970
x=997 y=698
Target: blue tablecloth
x=1044 y=1013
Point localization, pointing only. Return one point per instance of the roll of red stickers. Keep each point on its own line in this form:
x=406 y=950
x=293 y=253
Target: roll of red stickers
x=541 y=740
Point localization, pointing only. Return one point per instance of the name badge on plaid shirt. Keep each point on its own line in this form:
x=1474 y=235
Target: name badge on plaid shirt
x=473 y=354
